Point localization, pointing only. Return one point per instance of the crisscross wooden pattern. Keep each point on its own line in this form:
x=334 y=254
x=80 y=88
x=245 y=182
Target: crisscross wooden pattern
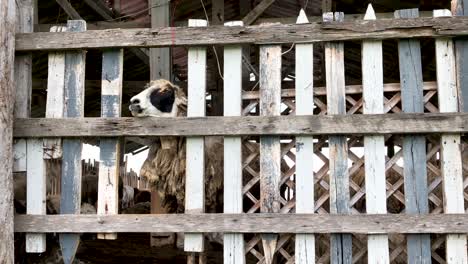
x=394 y=176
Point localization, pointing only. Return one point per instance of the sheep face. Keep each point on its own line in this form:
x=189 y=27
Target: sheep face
x=160 y=99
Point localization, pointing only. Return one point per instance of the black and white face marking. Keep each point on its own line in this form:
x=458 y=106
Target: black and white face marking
x=163 y=100
x=157 y=100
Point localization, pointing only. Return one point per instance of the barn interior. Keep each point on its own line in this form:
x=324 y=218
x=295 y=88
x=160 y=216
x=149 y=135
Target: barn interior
x=107 y=14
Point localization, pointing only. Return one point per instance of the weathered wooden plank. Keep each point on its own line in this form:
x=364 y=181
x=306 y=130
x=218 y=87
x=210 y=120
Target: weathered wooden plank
x=23 y=79
x=414 y=147
x=257 y=11
x=135 y=87
x=243 y=126
x=160 y=59
x=460 y=8
x=349 y=89
x=270 y=149
x=262 y=34
x=55 y=97
x=111 y=101
x=36 y=192
x=304 y=192
x=7 y=97
x=196 y=107
x=246 y=223
x=374 y=146
x=234 y=252
x=70 y=198
x=341 y=244
x=451 y=163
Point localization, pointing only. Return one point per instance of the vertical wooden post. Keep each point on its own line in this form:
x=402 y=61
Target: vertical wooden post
x=460 y=8
x=36 y=191
x=160 y=67
x=23 y=79
x=451 y=161
x=414 y=147
x=374 y=146
x=305 y=243
x=233 y=243
x=55 y=96
x=109 y=163
x=217 y=18
x=7 y=97
x=341 y=244
x=70 y=198
x=160 y=58
x=270 y=149
x=194 y=182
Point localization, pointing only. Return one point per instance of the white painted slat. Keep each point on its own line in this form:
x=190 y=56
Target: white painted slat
x=55 y=96
x=374 y=146
x=234 y=252
x=305 y=243
x=194 y=182
x=111 y=101
x=451 y=161
x=47 y=148
x=36 y=192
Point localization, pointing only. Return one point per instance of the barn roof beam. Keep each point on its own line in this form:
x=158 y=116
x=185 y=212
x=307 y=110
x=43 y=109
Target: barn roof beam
x=69 y=9
x=257 y=11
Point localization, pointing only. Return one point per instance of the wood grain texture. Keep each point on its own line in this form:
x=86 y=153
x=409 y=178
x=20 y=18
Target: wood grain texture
x=242 y=126
x=349 y=89
x=246 y=223
x=234 y=252
x=305 y=243
x=23 y=78
x=270 y=149
x=460 y=8
x=195 y=160
x=70 y=200
x=111 y=101
x=55 y=97
x=374 y=146
x=262 y=34
x=7 y=97
x=160 y=59
x=414 y=147
x=341 y=244
x=451 y=162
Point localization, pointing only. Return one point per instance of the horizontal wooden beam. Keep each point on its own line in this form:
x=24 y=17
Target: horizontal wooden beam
x=241 y=126
x=245 y=223
x=100 y=25
x=263 y=34
x=287 y=91
x=349 y=89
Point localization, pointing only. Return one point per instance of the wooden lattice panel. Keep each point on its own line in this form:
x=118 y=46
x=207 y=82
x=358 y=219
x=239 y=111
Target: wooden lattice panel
x=394 y=177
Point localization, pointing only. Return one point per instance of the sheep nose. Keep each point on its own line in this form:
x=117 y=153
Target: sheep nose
x=134 y=107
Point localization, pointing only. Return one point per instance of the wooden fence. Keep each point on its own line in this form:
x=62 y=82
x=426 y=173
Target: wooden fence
x=374 y=206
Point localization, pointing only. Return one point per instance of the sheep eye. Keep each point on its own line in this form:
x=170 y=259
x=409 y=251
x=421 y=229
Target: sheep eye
x=135 y=101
